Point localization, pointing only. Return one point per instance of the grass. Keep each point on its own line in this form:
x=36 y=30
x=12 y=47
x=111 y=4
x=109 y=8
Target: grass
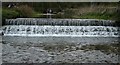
x=11 y=13
x=97 y=12
x=95 y=16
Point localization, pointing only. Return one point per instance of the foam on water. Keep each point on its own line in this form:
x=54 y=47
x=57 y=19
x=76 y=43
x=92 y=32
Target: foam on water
x=75 y=31
x=60 y=22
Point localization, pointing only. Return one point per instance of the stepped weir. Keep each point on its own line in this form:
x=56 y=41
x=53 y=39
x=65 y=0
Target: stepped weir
x=60 y=27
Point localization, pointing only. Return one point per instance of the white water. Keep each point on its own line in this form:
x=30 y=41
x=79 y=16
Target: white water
x=59 y=31
x=61 y=22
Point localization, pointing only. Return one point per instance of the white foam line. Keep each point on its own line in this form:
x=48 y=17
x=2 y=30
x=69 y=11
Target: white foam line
x=54 y=35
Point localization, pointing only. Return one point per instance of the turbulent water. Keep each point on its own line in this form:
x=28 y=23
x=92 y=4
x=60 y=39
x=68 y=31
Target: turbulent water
x=60 y=27
x=77 y=31
x=60 y=22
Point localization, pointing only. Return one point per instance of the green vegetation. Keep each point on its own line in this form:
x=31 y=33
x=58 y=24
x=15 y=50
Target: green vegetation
x=25 y=11
x=22 y=11
x=9 y=13
x=96 y=16
x=63 y=10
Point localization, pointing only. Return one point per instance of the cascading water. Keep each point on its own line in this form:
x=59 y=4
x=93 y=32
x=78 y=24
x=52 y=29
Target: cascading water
x=60 y=27
x=28 y=30
x=60 y=22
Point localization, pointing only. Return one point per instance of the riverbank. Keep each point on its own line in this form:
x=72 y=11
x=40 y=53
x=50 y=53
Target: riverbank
x=107 y=11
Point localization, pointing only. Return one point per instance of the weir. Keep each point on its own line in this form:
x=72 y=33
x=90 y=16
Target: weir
x=59 y=22
x=60 y=27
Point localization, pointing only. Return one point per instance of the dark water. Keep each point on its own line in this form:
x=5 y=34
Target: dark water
x=59 y=40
